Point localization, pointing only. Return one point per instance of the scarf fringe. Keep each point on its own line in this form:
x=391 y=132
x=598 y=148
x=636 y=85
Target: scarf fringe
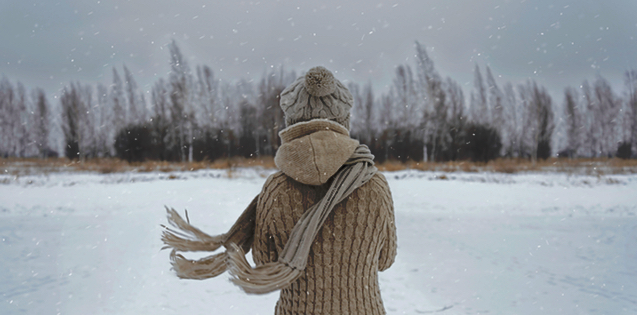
x=261 y=279
x=204 y=268
x=188 y=238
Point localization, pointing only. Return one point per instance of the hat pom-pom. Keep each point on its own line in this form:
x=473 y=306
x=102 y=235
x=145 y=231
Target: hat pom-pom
x=320 y=82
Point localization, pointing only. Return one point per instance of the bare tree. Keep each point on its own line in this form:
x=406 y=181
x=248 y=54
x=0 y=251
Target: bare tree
x=591 y=124
x=439 y=137
x=207 y=94
x=6 y=117
x=136 y=104
x=182 y=115
x=405 y=97
x=21 y=130
x=630 y=80
x=270 y=116
x=42 y=121
x=457 y=118
x=496 y=99
x=364 y=111
x=545 y=122
x=387 y=119
x=496 y=105
x=435 y=108
x=363 y=118
x=356 y=120
x=607 y=112
x=512 y=126
x=89 y=122
x=160 y=120
x=538 y=121
x=248 y=133
x=601 y=109
x=479 y=110
x=17 y=121
x=407 y=134
x=71 y=111
x=573 y=118
x=104 y=133
x=118 y=103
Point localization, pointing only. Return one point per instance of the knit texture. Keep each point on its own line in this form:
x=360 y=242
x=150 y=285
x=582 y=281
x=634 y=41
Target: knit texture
x=311 y=152
x=320 y=81
x=354 y=172
x=316 y=95
x=357 y=240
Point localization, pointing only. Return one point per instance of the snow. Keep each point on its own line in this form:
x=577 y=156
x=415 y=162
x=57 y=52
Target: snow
x=469 y=243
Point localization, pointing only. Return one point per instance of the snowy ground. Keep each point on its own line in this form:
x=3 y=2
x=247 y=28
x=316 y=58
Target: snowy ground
x=469 y=243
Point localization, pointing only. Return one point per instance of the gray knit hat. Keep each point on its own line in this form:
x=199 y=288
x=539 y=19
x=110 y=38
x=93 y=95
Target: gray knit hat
x=317 y=94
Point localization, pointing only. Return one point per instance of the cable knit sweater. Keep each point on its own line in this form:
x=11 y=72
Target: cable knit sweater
x=357 y=240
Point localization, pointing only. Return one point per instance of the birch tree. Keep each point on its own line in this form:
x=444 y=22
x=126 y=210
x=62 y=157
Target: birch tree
x=160 y=120
x=513 y=126
x=573 y=119
x=457 y=119
x=42 y=122
x=434 y=106
x=180 y=81
x=270 y=116
x=496 y=105
x=607 y=112
x=479 y=110
x=71 y=110
x=630 y=81
x=135 y=99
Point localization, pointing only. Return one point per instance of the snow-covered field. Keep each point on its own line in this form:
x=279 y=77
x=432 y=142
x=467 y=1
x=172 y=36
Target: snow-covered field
x=469 y=243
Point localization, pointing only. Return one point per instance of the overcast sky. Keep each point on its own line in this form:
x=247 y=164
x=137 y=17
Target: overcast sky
x=559 y=43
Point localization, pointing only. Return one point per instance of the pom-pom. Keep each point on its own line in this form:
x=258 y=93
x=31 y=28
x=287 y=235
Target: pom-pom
x=319 y=82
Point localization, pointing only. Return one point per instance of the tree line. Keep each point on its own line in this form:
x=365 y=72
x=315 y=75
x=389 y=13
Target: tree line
x=191 y=116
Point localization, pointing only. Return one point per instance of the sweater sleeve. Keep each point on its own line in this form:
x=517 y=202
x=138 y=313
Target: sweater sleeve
x=388 y=251
x=263 y=247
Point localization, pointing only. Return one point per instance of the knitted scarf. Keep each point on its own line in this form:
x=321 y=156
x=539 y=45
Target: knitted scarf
x=356 y=171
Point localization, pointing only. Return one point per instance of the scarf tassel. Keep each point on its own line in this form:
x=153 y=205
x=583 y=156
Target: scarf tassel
x=261 y=279
x=204 y=268
x=187 y=238
x=184 y=237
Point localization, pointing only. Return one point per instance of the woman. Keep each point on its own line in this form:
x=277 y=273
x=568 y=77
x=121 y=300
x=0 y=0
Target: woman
x=321 y=228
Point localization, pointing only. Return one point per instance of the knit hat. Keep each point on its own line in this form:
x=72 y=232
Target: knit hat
x=317 y=94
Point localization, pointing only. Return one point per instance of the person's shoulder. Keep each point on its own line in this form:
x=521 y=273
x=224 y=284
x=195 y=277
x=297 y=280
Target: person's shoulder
x=275 y=177
x=377 y=186
x=380 y=192
x=275 y=181
x=379 y=181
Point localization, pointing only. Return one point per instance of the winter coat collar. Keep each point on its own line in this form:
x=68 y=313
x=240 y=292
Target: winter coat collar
x=312 y=151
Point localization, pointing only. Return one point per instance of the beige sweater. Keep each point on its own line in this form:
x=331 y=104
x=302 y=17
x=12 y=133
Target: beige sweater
x=357 y=240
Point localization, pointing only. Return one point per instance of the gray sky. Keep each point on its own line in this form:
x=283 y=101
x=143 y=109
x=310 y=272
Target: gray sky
x=49 y=43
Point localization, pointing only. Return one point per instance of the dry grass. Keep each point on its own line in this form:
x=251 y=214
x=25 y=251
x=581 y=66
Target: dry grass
x=28 y=166
x=600 y=166
x=16 y=166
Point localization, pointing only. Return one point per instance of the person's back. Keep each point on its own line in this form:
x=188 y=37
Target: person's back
x=358 y=237
x=356 y=241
